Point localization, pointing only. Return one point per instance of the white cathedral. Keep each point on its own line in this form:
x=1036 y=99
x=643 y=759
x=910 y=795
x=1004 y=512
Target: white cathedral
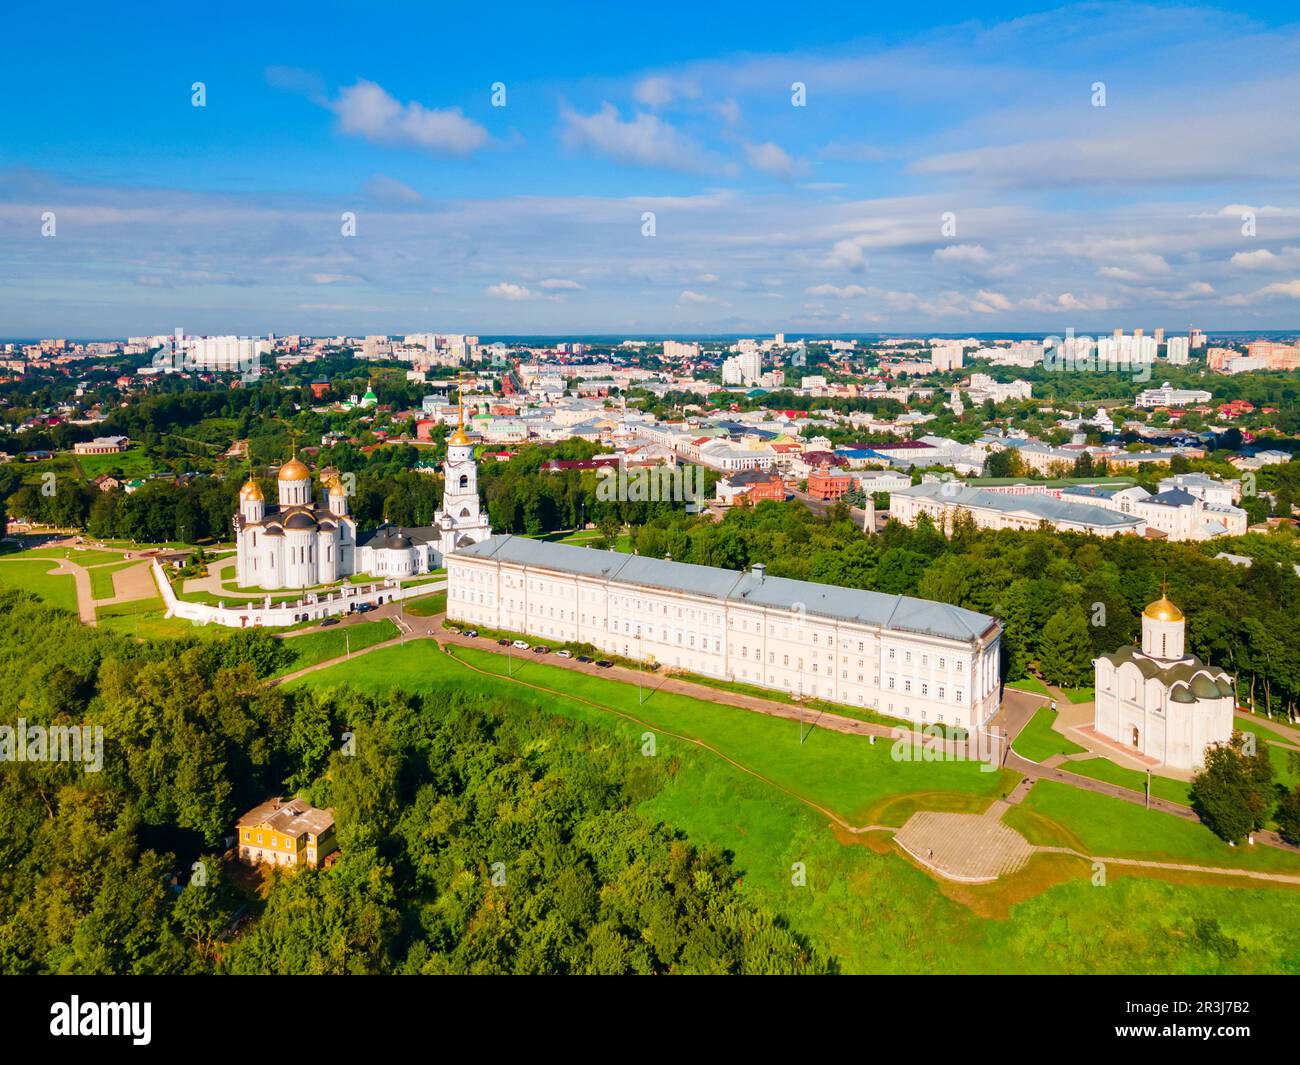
x=302 y=543
x=1159 y=701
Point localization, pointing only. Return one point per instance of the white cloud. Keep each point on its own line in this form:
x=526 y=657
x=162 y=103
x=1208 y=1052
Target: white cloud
x=772 y=159
x=688 y=296
x=1253 y=260
x=987 y=302
x=508 y=290
x=1281 y=288
x=848 y=254
x=962 y=253
x=659 y=91
x=841 y=292
x=367 y=110
x=389 y=190
x=646 y=140
x=554 y=283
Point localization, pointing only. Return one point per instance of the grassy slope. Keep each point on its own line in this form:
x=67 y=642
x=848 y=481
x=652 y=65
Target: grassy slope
x=1161 y=787
x=1109 y=827
x=1038 y=741
x=34 y=576
x=101 y=578
x=843 y=773
x=145 y=618
x=333 y=642
x=874 y=911
x=426 y=605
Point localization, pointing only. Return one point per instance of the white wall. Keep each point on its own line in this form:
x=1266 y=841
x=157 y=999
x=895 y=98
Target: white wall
x=253 y=614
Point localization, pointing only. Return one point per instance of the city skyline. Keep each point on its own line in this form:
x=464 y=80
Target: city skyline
x=937 y=177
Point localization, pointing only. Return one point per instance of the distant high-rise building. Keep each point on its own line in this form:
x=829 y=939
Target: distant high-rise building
x=946 y=356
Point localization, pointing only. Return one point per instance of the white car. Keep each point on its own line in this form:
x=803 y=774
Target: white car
x=563 y=654
x=519 y=645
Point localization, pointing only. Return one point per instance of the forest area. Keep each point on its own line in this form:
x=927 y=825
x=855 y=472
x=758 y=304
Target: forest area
x=98 y=870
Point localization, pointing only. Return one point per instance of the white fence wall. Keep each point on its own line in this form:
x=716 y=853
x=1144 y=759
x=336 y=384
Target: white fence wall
x=253 y=613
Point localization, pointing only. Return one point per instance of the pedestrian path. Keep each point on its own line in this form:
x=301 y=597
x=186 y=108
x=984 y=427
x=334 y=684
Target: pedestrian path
x=971 y=848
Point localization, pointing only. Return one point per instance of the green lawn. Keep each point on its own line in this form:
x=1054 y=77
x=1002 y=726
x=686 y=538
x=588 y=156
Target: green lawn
x=89 y=557
x=588 y=538
x=1038 y=741
x=1179 y=791
x=876 y=912
x=235 y=600
x=132 y=462
x=101 y=579
x=1033 y=684
x=333 y=642
x=34 y=576
x=1107 y=827
x=426 y=605
x=843 y=773
x=144 y=618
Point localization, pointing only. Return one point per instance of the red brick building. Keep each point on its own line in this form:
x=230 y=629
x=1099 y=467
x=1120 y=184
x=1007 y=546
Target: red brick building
x=828 y=485
x=749 y=487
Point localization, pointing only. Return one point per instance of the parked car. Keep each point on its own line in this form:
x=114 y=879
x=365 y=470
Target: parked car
x=503 y=642
x=363 y=608
x=584 y=658
x=541 y=649
x=563 y=654
x=328 y=621
x=604 y=663
x=472 y=633
x=519 y=645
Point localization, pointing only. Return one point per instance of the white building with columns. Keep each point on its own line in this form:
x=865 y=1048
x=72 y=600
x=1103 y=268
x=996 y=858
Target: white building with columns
x=909 y=658
x=1159 y=701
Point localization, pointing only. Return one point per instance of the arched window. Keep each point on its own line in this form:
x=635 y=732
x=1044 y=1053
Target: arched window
x=464 y=480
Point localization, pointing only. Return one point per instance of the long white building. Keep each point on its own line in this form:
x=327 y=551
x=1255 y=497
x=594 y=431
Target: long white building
x=910 y=658
x=943 y=500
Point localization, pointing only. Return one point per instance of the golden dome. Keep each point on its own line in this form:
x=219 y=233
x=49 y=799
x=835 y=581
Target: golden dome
x=336 y=487
x=294 y=470
x=459 y=437
x=1162 y=610
x=250 y=490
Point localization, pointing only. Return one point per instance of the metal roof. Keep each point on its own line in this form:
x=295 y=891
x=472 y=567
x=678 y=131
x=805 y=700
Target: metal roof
x=1038 y=505
x=900 y=613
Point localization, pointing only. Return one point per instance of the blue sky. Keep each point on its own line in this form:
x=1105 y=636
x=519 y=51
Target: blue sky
x=1174 y=204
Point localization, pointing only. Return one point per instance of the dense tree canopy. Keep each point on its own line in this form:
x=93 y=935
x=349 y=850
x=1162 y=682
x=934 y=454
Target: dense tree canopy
x=477 y=834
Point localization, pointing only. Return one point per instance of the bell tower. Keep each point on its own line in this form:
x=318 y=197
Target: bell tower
x=460 y=515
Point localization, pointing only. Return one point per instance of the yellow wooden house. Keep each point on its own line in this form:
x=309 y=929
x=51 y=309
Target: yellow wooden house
x=286 y=832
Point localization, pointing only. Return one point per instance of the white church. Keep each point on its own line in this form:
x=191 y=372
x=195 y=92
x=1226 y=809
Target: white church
x=303 y=542
x=1158 y=700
